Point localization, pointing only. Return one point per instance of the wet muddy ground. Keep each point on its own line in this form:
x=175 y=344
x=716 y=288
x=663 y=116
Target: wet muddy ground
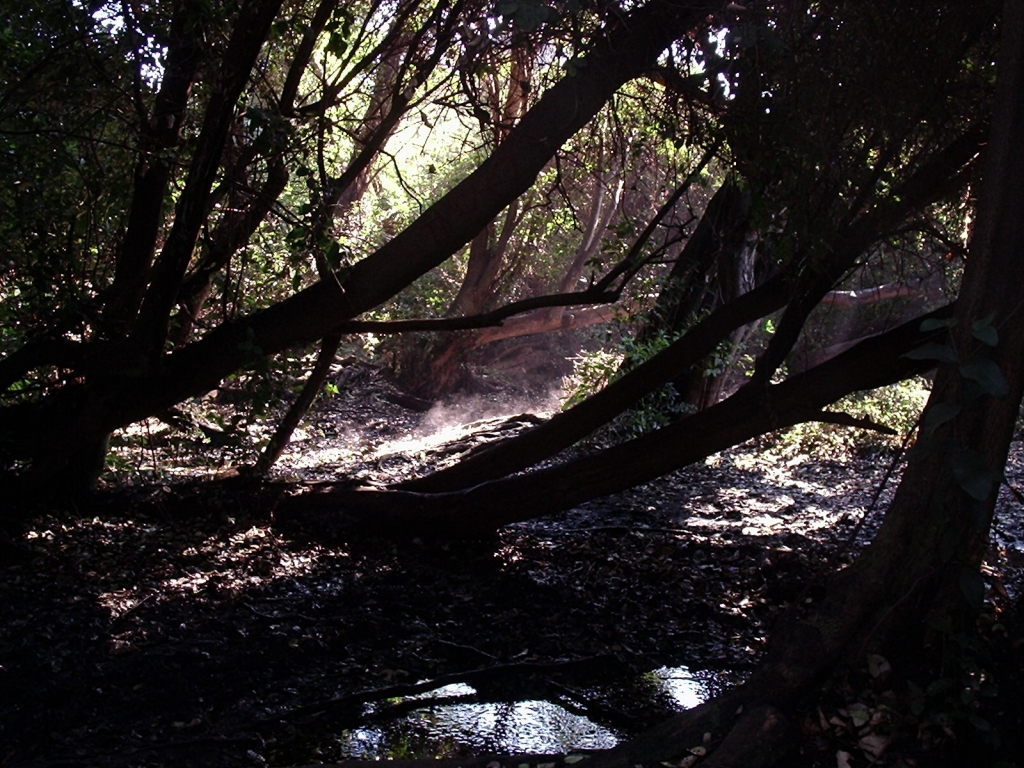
x=148 y=639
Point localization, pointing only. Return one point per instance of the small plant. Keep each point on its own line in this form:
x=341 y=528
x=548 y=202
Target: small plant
x=897 y=406
x=591 y=372
x=594 y=370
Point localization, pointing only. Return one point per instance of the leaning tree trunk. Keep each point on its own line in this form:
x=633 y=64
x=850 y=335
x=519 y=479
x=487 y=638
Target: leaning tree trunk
x=927 y=184
x=923 y=565
x=755 y=410
x=72 y=417
x=339 y=196
x=931 y=543
x=437 y=368
x=715 y=266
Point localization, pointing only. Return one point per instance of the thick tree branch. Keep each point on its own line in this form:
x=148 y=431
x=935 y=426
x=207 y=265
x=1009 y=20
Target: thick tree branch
x=289 y=91
x=250 y=33
x=627 y=47
x=158 y=133
x=62 y=353
x=940 y=175
x=753 y=411
x=567 y=427
x=483 y=320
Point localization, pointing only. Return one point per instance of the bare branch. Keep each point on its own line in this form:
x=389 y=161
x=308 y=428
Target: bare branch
x=483 y=320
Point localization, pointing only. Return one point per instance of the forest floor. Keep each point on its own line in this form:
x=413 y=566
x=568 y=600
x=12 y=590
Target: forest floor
x=150 y=638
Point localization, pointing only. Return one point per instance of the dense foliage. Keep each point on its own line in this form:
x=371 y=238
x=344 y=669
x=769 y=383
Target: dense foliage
x=204 y=188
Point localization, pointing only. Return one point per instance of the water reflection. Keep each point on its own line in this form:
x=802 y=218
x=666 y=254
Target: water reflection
x=509 y=727
x=531 y=726
x=688 y=688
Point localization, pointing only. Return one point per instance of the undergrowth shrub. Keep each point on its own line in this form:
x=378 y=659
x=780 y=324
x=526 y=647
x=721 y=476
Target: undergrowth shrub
x=897 y=406
x=593 y=370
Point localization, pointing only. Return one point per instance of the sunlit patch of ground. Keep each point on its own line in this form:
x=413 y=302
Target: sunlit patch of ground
x=401 y=444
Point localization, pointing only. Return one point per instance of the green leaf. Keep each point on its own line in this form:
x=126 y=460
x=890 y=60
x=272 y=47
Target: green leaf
x=939 y=414
x=984 y=371
x=932 y=351
x=979 y=723
x=986 y=335
x=972 y=585
x=973 y=474
x=931 y=447
x=336 y=44
x=986 y=320
x=859 y=714
x=934 y=324
x=941 y=686
x=983 y=331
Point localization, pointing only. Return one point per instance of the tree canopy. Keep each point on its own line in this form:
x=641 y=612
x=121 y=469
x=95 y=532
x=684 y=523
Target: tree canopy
x=190 y=178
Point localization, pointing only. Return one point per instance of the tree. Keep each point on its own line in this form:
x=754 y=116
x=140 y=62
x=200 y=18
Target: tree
x=927 y=555
x=118 y=369
x=101 y=333
x=117 y=366
x=552 y=240
x=921 y=572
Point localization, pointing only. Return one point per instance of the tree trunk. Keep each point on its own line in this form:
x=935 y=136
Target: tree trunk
x=937 y=526
x=310 y=389
x=338 y=198
x=437 y=368
x=695 y=285
x=922 y=567
x=566 y=428
x=626 y=49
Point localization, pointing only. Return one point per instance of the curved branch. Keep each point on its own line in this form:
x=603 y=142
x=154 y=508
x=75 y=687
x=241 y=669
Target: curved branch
x=753 y=411
x=483 y=320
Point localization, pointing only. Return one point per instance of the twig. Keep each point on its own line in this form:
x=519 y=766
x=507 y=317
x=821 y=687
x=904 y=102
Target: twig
x=470 y=648
x=878 y=492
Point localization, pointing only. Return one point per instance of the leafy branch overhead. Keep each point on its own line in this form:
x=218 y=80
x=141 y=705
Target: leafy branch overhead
x=981 y=377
